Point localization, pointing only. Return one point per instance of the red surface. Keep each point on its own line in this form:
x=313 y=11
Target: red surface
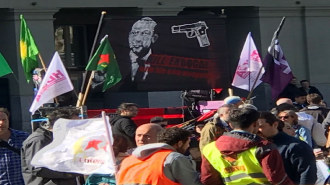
x=144 y=115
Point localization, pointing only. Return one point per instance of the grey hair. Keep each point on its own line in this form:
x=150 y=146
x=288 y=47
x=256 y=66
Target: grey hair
x=248 y=106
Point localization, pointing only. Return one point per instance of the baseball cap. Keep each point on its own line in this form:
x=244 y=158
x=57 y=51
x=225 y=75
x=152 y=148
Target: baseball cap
x=232 y=100
x=157 y=119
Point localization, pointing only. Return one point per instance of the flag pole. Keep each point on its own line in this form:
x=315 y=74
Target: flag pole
x=83 y=95
x=249 y=60
x=44 y=66
x=107 y=126
x=254 y=83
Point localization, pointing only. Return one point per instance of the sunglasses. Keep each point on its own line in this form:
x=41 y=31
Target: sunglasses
x=285 y=117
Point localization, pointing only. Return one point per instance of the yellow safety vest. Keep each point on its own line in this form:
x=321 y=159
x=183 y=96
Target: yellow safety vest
x=244 y=170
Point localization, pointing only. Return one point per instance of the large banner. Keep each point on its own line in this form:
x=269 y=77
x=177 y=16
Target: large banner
x=168 y=53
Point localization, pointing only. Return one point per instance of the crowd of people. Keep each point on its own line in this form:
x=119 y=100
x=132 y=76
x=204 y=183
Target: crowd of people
x=237 y=145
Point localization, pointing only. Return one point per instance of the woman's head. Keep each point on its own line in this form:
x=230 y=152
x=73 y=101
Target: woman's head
x=288 y=129
x=288 y=116
x=120 y=144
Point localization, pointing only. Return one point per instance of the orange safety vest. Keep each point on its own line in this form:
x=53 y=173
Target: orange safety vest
x=144 y=172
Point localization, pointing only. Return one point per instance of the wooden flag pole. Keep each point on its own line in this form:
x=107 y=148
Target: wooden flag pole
x=44 y=66
x=230 y=92
x=83 y=95
x=254 y=84
x=88 y=87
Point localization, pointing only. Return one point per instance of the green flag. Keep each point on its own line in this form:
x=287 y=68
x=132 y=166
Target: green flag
x=4 y=67
x=105 y=59
x=29 y=50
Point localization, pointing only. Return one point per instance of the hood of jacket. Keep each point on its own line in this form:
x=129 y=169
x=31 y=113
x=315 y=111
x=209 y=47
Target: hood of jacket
x=114 y=119
x=235 y=142
x=143 y=152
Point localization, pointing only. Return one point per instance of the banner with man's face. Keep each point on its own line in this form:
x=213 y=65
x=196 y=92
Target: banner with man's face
x=168 y=53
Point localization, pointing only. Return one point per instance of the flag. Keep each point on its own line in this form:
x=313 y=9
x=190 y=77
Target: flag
x=55 y=83
x=4 y=67
x=278 y=72
x=105 y=59
x=248 y=67
x=29 y=50
x=79 y=146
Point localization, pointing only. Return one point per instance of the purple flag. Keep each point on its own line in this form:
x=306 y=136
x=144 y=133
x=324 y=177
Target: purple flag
x=278 y=72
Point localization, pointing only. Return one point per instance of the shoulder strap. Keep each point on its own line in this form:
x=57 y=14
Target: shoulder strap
x=4 y=144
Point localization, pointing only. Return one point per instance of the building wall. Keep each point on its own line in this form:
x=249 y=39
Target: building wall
x=304 y=39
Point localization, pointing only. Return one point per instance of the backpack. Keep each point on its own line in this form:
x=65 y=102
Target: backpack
x=317 y=130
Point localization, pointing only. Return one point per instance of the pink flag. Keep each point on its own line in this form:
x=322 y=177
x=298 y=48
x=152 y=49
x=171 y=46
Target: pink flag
x=55 y=83
x=248 y=67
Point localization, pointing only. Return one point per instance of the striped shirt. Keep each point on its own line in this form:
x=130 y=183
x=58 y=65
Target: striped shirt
x=10 y=162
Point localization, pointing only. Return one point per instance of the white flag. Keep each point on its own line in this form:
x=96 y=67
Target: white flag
x=248 y=66
x=79 y=146
x=55 y=83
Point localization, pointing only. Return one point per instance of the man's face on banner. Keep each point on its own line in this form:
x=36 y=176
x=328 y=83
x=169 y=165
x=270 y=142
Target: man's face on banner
x=141 y=37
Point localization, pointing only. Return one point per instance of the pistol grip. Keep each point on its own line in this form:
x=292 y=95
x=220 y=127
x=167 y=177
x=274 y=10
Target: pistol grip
x=203 y=40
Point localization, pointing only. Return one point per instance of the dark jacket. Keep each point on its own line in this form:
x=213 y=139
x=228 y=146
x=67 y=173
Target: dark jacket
x=41 y=176
x=312 y=90
x=124 y=126
x=290 y=91
x=319 y=113
x=234 y=142
x=298 y=158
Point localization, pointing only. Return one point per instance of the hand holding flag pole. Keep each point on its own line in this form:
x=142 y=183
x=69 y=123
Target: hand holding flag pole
x=85 y=89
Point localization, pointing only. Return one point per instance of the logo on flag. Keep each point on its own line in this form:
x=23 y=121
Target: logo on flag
x=55 y=83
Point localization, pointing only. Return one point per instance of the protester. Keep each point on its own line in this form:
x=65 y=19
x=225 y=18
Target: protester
x=120 y=146
x=302 y=132
x=280 y=102
x=214 y=129
x=122 y=124
x=248 y=106
x=298 y=157
x=305 y=87
x=160 y=163
x=290 y=90
x=242 y=157
x=315 y=108
x=300 y=100
x=147 y=133
x=10 y=144
x=40 y=138
x=159 y=120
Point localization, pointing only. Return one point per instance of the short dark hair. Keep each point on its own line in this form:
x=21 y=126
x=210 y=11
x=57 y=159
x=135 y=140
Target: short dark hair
x=285 y=106
x=243 y=118
x=299 y=94
x=57 y=114
x=4 y=110
x=314 y=98
x=125 y=106
x=269 y=117
x=302 y=81
x=173 y=135
x=157 y=119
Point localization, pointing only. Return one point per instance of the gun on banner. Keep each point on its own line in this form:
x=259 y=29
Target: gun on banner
x=193 y=30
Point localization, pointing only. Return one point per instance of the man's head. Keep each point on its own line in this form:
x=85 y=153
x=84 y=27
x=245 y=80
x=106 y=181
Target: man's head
x=54 y=116
x=244 y=119
x=314 y=99
x=248 y=106
x=147 y=133
x=284 y=107
x=176 y=137
x=128 y=110
x=284 y=100
x=159 y=120
x=300 y=98
x=234 y=100
x=293 y=81
x=304 y=84
x=268 y=124
x=142 y=36
x=4 y=119
x=199 y=127
x=223 y=112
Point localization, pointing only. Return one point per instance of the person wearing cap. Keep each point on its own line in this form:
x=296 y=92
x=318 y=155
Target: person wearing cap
x=214 y=129
x=234 y=100
x=159 y=120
